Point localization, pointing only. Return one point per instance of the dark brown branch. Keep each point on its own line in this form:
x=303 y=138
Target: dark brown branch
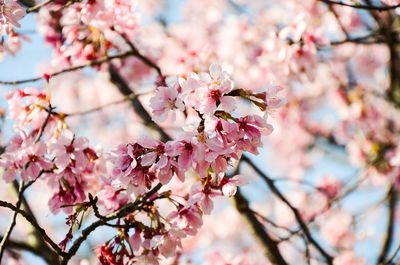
x=125 y=90
x=140 y=56
x=20 y=245
x=34 y=223
x=336 y=15
x=390 y=226
x=270 y=246
x=24 y=246
x=127 y=209
x=13 y=221
x=368 y=39
x=39 y=244
x=27 y=3
x=296 y=213
x=74 y=68
x=38 y=6
x=360 y=6
x=390 y=260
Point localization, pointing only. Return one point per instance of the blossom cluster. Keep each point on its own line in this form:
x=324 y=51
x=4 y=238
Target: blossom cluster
x=203 y=154
x=10 y=13
x=43 y=148
x=83 y=32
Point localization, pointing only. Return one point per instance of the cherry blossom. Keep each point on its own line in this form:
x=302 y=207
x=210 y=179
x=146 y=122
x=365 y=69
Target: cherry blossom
x=11 y=12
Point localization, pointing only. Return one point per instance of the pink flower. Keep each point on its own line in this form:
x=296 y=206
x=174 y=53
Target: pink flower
x=11 y=12
x=129 y=169
x=10 y=165
x=218 y=84
x=67 y=148
x=203 y=197
x=191 y=84
x=111 y=199
x=25 y=156
x=189 y=150
x=218 y=146
x=156 y=154
x=188 y=218
x=165 y=100
x=269 y=100
x=67 y=194
x=35 y=161
x=251 y=128
x=168 y=245
x=272 y=100
x=136 y=240
x=229 y=186
x=329 y=185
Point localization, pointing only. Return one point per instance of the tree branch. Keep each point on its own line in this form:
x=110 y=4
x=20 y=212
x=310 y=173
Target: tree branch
x=296 y=213
x=125 y=90
x=391 y=196
x=74 y=68
x=13 y=221
x=127 y=209
x=270 y=246
x=84 y=112
x=359 y=6
x=140 y=56
x=38 y=6
x=34 y=223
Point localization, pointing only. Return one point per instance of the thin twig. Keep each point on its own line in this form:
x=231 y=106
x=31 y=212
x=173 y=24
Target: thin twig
x=359 y=40
x=38 y=6
x=74 y=68
x=270 y=246
x=296 y=213
x=140 y=56
x=88 y=111
x=336 y=15
x=391 y=259
x=43 y=127
x=21 y=245
x=13 y=221
x=127 y=209
x=359 y=6
x=34 y=223
x=137 y=106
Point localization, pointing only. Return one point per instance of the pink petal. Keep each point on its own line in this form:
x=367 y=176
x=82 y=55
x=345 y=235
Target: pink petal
x=215 y=71
x=206 y=204
x=229 y=189
x=184 y=161
x=148 y=159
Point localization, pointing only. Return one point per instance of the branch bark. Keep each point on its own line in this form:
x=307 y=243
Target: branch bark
x=359 y=6
x=13 y=220
x=127 y=209
x=137 y=106
x=296 y=213
x=392 y=194
x=269 y=245
x=34 y=223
